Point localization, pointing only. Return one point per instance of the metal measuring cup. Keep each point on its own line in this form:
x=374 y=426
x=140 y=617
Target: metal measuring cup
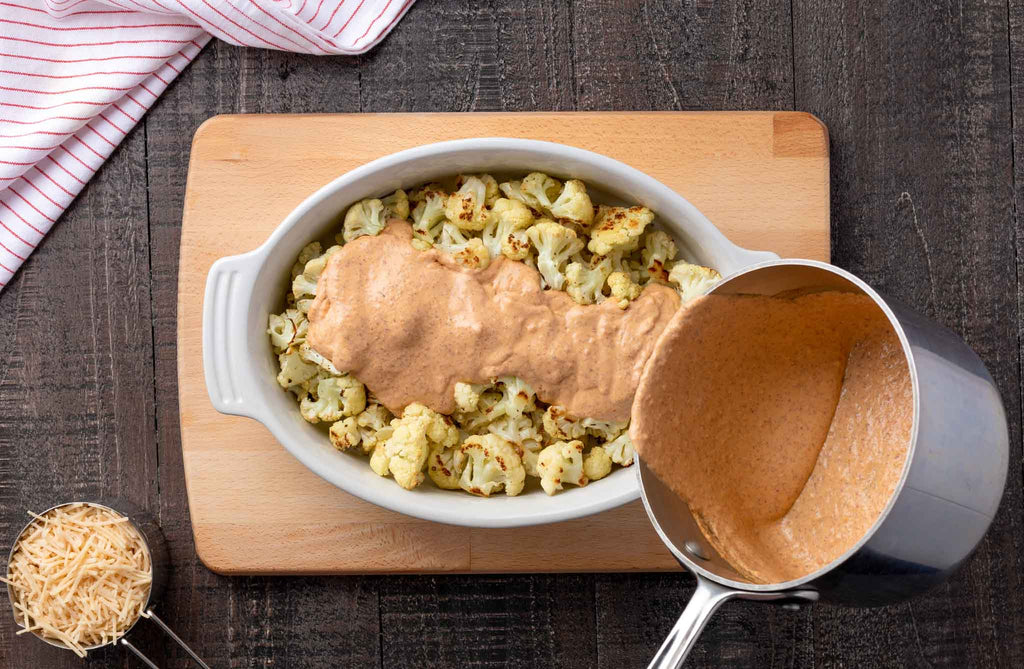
x=942 y=506
x=159 y=560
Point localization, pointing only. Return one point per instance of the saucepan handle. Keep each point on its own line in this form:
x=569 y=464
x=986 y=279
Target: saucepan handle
x=708 y=597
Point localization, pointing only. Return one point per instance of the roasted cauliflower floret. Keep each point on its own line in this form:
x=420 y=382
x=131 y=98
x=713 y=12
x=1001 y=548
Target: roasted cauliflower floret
x=415 y=434
x=333 y=398
x=555 y=244
x=513 y=190
x=573 y=205
x=287 y=329
x=618 y=228
x=620 y=450
x=659 y=251
x=421 y=193
x=304 y=285
x=467 y=395
x=596 y=464
x=467 y=251
x=374 y=425
x=505 y=232
x=525 y=436
x=310 y=354
x=517 y=396
x=623 y=289
x=467 y=207
x=344 y=434
x=585 y=281
x=396 y=205
x=442 y=468
x=606 y=430
x=490 y=407
x=491 y=191
x=440 y=429
x=561 y=463
x=540 y=191
x=488 y=464
x=379 y=458
x=308 y=252
x=428 y=216
x=294 y=370
x=560 y=425
x=692 y=280
x=365 y=217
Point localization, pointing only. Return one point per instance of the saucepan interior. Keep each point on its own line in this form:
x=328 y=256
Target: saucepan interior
x=672 y=517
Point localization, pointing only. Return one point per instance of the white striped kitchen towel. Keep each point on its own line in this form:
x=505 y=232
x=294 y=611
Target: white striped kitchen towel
x=77 y=75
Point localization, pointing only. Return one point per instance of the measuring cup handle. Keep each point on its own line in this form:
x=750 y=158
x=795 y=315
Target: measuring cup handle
x=167 y=630
x=708 y=597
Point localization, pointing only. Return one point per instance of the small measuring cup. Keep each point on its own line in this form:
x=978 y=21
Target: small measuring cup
x=159 y=561
x=943 y=504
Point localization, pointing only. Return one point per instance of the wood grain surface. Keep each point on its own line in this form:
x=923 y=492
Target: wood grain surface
x=923 y=101
x=761 y=177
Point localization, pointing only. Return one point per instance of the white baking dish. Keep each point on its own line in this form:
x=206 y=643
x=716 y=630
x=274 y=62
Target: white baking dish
x=242 y=290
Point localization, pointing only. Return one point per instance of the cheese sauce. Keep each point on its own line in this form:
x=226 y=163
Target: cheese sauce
x=410 y=324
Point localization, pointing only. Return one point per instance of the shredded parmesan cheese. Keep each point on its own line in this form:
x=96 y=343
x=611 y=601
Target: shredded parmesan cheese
x=79 y=575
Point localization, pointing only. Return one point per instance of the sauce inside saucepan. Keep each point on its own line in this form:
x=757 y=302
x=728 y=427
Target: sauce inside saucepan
x=783 y=423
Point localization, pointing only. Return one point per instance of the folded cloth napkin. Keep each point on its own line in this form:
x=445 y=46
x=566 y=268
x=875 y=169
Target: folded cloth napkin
x=77 y=75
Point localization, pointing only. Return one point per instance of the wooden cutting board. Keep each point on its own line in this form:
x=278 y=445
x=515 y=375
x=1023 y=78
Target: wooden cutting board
x=762 y=177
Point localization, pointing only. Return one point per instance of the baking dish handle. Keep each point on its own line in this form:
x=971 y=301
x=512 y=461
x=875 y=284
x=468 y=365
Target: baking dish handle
x=227 y=362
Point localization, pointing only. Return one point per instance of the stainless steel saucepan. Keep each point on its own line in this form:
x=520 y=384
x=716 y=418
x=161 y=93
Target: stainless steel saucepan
x=943 y=505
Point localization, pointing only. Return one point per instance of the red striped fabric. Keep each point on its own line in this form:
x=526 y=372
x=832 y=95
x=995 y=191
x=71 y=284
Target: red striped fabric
x=77 y=75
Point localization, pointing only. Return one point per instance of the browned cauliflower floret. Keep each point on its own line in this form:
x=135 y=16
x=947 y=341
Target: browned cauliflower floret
x=415 y=434
x=505 y=232
x=344 y=434
x=489 y=463
x=618 y=228
x=442 y=468
x=396 y=205
x=491 y=191
x=573 y=205
x=467 y=251
x=467 y=207
x=659 y=251
x=294 y=370
x=333 y=398
x=428 y=215
x=561 y=463
x=287 y=329
x=374 y=425
x=539 y=191
x=560 y=425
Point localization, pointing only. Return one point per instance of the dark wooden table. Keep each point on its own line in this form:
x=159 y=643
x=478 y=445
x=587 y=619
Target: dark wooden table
x=920 y=101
